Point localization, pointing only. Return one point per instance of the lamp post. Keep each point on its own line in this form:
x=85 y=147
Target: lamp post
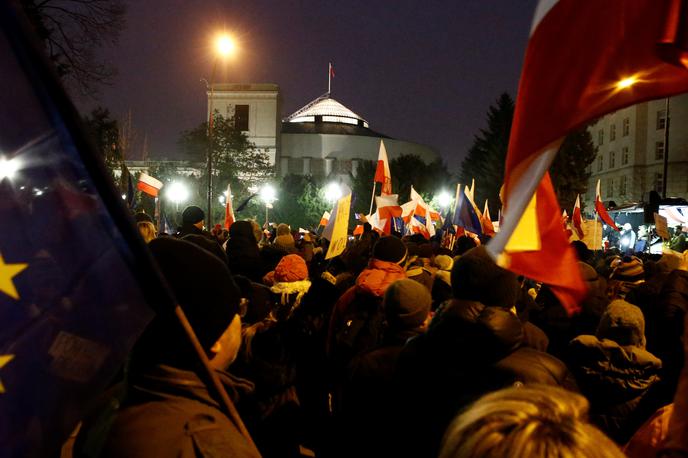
x=224 y=47
x=268 y=195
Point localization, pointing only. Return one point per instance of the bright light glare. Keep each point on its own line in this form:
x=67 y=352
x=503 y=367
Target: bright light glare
x=333 y=192
x=8 y=168
x=225 y=45
x=177 y=192
x=626 y=82
x=268 y=194
x=444 y=199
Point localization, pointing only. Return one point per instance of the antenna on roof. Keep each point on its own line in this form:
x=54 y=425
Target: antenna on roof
x=330 y=75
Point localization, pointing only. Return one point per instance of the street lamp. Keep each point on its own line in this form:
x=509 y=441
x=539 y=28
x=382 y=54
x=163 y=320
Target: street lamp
x=224 y=47
x=8 y=168
x=444 y=199
x=333 y=192
x=177 y=192
x=268 y=195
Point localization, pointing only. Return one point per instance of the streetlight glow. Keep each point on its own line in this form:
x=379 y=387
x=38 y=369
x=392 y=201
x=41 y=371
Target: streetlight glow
x=626 y=82
x=268 y=194
x=177 y=192
x=333 y=192
x=8 y=168
x=444 y=199
x=224 y=45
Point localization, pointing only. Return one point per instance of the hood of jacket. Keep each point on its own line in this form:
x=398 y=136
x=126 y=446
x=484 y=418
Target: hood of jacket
x=378 y=276
x=611 y=372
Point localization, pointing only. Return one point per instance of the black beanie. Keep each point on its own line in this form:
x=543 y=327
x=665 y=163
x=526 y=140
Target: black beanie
x=390 y=249
x=202 y=284
x=476 y=277
x=192 y=215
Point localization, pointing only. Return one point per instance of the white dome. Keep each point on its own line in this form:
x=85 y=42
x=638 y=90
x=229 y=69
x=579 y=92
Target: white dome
x=329 y=110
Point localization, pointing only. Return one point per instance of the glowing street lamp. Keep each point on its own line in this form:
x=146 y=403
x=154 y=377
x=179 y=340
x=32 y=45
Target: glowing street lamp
x=268 y=195
x=8 y=168
x=177 y=192
x=224 y=48
x=333 y=192
x=444 y=199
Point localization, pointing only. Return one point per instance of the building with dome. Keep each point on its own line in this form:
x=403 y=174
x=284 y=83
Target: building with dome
x=324 y=138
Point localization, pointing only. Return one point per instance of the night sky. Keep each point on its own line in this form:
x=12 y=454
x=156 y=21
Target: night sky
x=420 y=71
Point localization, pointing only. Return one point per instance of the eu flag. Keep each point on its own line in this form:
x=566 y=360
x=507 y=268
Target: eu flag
x=72 y=267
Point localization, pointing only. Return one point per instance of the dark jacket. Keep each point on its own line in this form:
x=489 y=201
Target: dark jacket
x=614 y=379
x=243 y=256
x=169 y=412
x=468 y=350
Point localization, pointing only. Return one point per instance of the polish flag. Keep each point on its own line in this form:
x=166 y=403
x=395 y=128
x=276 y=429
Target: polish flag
x=423 y=210
x=358 y=230
x=229 y=210
x=599 y=208
x=584 y=59
x=382 y=173
x=388 y=208
x=488 y=227
x=332 y=70
x=325 y=219
x=577 y=219
x=149 y=185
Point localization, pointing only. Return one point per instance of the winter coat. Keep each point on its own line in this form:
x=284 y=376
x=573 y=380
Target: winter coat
x=615 y=379
x=243 y=256
x=169 y=412
x=468 y=350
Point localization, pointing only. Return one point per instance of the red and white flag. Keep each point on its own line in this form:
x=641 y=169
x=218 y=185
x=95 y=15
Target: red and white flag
x=149 y=185
x=332 y=70
x=388 y=208
x=325 y=219
x=382 y=173
x=488 y=227
x=229 y=210
x=424 y=211
x=584 y=59
x=601 y=211
x=577 y=219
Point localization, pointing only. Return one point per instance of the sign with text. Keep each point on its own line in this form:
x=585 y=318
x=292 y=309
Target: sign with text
x=340 y=228
x=661 y=226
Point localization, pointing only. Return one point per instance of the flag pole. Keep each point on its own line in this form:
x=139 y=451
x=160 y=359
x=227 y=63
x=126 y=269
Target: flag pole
x=329 y=78
x=372 y=198
x=594 y=233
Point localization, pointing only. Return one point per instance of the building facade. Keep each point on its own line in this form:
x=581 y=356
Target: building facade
x=255 y=110
x=631 y=152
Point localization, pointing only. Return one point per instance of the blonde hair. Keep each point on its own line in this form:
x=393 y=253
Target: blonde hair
x=534 y=421
x=147 y=230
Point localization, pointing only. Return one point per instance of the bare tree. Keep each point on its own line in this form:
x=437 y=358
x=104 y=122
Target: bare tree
x=72 y=30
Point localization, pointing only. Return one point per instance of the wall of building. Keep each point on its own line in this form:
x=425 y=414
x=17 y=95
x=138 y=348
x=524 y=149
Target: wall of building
x=630 y=161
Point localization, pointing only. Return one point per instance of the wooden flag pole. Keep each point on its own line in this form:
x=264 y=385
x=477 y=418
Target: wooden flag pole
x=372 y=198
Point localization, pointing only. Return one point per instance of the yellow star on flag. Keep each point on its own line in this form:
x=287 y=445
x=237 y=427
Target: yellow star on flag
x=7 y=272
x=4 y=359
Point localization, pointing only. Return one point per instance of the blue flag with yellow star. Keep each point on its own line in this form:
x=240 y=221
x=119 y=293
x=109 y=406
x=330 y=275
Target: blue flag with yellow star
x=75 y=279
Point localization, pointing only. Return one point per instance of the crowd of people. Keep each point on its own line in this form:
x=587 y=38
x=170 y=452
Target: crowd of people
x=397 y=347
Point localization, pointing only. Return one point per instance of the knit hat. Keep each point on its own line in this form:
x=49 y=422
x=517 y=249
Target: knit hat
x=142 y=216
x=444 y=265
x=192 y=215
x=291 y=268
x=406 y=304
x=476 y=277
x=202 y=285
x=390 y=249
x=628 y=268
x=283 y=229
x=623 y=323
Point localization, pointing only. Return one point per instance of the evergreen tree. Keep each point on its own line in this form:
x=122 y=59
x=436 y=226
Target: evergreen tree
x=570 y=169
x=485 y=160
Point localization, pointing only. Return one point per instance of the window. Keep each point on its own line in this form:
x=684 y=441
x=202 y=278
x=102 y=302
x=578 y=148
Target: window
x=622 y=185
x=600 y=137
x=296 y=165
x=241 y=117
x=659 y=181
x=624 y=155
x=626 y=127
x=610 y=187
x=661 y=119
x=612 y=159
x=600 y=162
x=318 y=167
x=659 y=151
x=612 y=132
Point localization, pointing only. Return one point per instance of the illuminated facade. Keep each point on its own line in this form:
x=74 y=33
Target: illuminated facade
x=630 y=156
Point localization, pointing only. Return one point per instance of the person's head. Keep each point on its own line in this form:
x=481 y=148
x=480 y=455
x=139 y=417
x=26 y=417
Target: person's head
x=476 y=277
x=291 y=268
x=147 y=230
x=463 y=244
x=535 y=421
x=623 y=323
x=390 y=249
x=283 y=229
x=210 y=299
x=142 y=216
x=193 y=216
x=407 y=305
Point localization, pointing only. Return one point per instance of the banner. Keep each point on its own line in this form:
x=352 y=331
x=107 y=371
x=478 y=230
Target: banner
x=592 y=237
x=340 y=228
x=661 y=227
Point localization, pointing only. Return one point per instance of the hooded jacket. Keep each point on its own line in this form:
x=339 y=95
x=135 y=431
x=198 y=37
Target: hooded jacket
x=243 y=256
